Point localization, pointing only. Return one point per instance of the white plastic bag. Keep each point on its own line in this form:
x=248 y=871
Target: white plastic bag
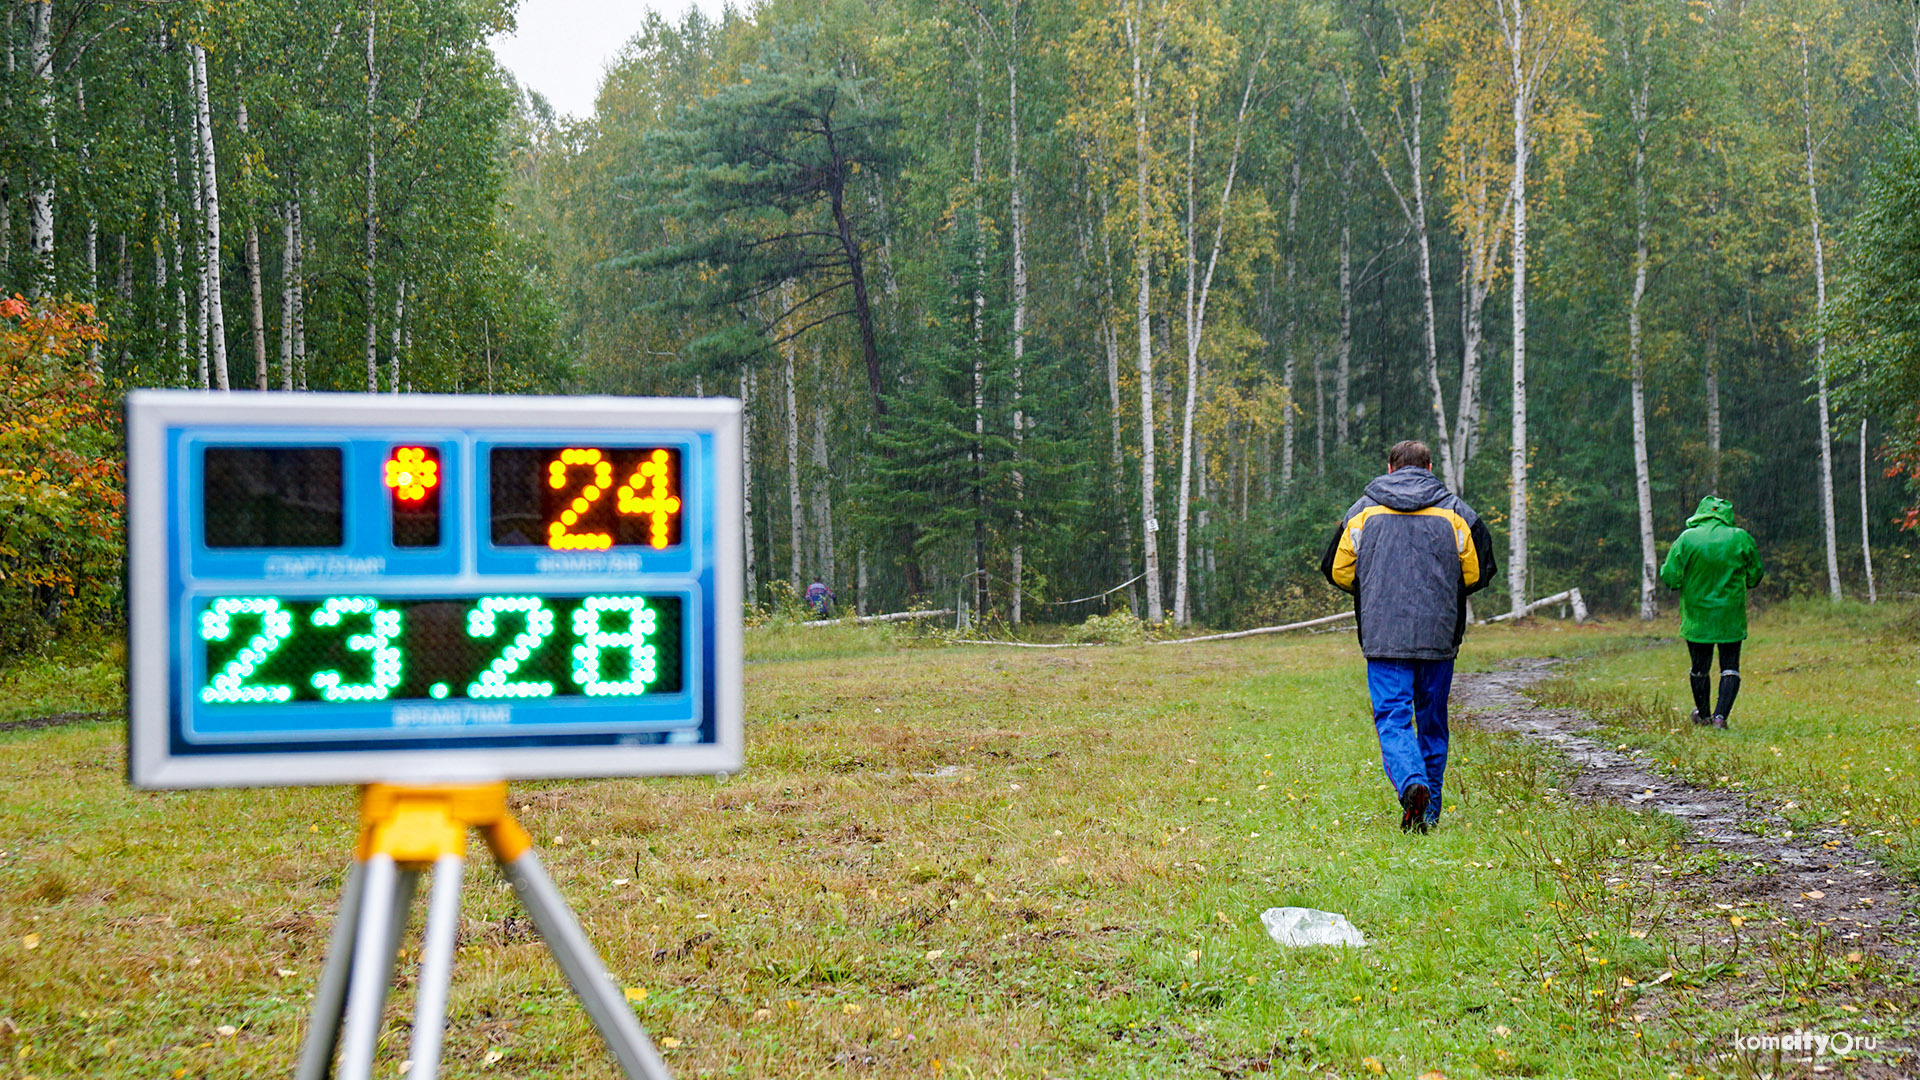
x=1296 y=927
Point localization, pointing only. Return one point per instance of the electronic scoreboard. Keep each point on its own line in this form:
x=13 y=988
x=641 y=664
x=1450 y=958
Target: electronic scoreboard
x=345 y=588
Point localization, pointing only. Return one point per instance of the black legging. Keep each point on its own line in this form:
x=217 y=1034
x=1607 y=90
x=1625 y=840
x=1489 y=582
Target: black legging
x=1702 y=677
x=1702 y=656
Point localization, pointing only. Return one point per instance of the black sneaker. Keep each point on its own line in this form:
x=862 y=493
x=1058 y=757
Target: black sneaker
x=1699 y=719
x=1413 y=809
x=1718 y=720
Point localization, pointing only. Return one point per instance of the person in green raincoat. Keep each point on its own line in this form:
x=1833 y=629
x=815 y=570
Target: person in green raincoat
x=1713 y=564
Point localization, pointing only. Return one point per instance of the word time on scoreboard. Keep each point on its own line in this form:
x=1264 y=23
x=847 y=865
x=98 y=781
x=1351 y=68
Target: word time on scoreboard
x=347 y=588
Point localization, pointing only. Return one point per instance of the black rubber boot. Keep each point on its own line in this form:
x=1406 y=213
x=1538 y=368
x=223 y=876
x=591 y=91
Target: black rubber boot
x=1729 y=689
x=1702 y=699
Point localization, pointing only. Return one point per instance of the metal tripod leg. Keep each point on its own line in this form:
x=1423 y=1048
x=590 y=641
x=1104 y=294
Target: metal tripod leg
x=436 y=968
x=605 y=1003
x=387 y=892
x=330 y=998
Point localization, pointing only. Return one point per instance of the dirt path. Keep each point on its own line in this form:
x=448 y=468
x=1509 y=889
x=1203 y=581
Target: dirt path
x=55 y=720
x=1818 y=875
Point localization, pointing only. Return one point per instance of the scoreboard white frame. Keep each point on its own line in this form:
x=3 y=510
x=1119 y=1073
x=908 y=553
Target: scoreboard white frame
x=150 y=414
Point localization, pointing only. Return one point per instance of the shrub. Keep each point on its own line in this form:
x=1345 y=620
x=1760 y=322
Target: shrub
x=60 y=476
x=1121 y=627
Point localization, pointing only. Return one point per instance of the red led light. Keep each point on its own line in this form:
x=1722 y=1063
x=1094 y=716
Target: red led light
x=411 y=474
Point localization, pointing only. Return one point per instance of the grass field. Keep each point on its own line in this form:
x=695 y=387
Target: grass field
x=980 y=863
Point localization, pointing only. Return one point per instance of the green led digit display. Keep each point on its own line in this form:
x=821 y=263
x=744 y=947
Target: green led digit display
x=216 y=624
x=269 y=650
x=483 y=622
x=636 y=642
x=383 y=627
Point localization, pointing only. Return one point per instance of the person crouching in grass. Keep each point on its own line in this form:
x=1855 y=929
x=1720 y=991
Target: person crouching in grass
x=1410 y=552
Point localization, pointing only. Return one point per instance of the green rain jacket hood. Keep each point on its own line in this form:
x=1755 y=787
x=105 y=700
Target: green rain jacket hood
x=1713 y=564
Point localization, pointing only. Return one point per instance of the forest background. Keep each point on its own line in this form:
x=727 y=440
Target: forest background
x=1029 y=301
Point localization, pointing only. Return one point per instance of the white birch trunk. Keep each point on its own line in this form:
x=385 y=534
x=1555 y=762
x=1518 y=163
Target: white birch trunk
x=179 y=264
x=1182 y=602
x=822 y=496
x=1111 y=334
x=40 y=184
x=1288 y=366
x=1911 y=74
x=1820 y=337
x=1343 y=372
x=210 y=190
x=254 y=285
x=1516 y=34
x=1319 y=413
x=860 y=582
x=1429 y=323
x=1197 y=312
x=796 y=516
x=93 y=234
x=1642 y=472
x=1018 y=213
x=369 y=281
x=302 y=246
x=201 y=368
x=123 y=296
x=1143 y=263
x=6 y=186
x=287 y=247
x=1866 y=534
x=746 y=485
x=395 y=335
x=976 y=453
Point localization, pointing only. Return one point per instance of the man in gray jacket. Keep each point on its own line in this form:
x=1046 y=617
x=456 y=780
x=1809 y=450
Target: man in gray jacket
x=1411 y=553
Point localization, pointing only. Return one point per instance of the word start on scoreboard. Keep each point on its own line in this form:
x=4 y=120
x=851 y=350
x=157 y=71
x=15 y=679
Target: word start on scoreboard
x=337 y=584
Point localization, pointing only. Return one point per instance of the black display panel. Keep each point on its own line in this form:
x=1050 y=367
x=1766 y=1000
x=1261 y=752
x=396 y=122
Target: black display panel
x=583 y=498
x=272 y=496
x=413 y=479
x=266 y=650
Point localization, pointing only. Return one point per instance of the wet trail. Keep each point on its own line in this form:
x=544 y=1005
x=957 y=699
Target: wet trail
x=1819 y=875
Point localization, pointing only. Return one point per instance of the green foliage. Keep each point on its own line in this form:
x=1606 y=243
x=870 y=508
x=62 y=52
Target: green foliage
x=1114 y=628
x=758 y=190
x=1875 y=322
x=60 y=480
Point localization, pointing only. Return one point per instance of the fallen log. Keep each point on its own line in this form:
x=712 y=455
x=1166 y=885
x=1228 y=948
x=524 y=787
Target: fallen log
x=1571 y=596
x=892 y=616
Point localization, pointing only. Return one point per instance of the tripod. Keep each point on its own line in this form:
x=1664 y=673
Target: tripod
x=403 y=831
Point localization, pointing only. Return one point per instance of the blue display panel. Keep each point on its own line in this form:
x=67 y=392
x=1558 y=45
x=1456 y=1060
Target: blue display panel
x=358 y=588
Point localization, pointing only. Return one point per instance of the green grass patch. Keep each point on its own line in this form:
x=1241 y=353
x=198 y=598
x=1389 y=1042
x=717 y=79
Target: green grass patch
x=938 y=862
x=1824 y=721
x=84 y=675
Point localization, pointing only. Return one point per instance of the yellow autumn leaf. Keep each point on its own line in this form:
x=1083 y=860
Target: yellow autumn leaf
x=669 y=1042
x=636 y=993
x=1373 y=1066
x=31 y=941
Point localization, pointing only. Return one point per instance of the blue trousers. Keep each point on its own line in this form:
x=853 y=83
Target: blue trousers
x=1410 y=716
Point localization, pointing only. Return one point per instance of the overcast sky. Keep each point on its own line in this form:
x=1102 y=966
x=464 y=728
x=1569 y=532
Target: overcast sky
x=561 y=47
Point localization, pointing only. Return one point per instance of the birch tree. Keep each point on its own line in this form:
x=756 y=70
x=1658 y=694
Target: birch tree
x=1533 y=36
x=1199 y=286
x=216 y=329
x=371 y=222
x=1639 y=79
x=41 y=185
